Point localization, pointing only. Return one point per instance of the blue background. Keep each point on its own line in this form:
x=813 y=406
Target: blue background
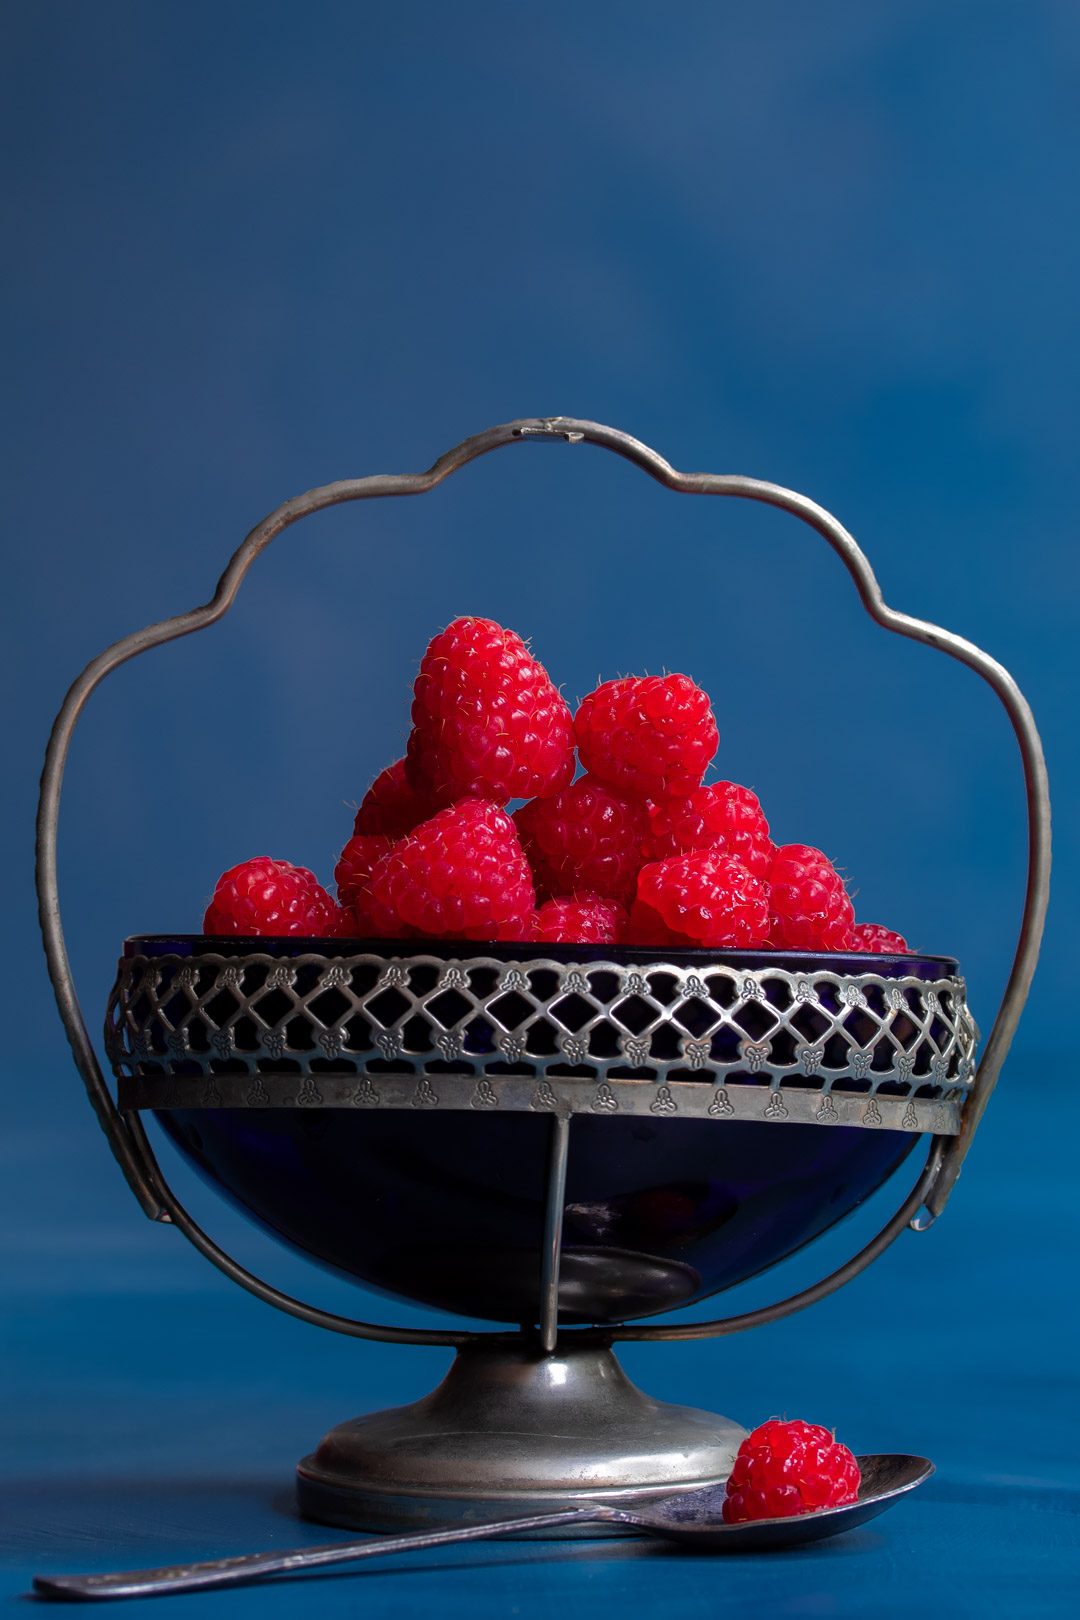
x=249 y=249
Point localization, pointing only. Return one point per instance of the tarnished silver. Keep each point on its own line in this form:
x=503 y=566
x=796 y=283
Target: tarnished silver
x=511 y=1430
x=124 y=1129
x=681 y=1099
x=714 y=1039
x=691 y=1518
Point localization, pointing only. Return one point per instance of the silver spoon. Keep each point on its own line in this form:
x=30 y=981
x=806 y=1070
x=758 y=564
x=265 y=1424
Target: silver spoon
x=690 y=1517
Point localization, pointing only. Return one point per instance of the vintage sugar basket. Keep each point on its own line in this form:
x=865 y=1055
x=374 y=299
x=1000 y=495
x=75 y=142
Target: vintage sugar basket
x=566 y=1141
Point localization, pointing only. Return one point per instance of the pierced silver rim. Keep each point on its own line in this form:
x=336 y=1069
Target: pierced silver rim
x=715 y=1039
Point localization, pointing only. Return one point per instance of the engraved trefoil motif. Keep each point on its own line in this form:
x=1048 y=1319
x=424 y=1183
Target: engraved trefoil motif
x=654 y=1038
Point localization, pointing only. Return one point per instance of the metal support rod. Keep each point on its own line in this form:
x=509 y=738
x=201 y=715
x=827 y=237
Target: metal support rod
x=553 y=1225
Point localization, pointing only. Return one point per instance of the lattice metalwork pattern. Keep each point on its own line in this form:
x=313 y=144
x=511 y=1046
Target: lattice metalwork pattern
x=772 y=1042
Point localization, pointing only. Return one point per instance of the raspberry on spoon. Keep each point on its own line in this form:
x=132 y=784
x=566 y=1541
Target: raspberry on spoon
x=783 y=1469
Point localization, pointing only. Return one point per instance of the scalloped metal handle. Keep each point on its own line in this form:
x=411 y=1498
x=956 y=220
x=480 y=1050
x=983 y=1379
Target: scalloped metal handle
x=125 y=1134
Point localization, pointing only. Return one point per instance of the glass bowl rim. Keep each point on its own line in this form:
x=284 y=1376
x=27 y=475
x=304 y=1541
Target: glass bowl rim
x=843 y=963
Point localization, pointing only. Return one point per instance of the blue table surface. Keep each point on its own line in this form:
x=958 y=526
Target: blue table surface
x=154 y=1413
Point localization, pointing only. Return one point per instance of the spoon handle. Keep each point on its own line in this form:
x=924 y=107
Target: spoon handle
x=253 y=1566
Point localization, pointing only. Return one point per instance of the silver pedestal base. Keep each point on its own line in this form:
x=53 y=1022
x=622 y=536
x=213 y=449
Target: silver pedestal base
x=513 y=1430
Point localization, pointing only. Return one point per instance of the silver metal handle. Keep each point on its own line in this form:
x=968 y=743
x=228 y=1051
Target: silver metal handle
x=172 y=1578
x=126 y=1135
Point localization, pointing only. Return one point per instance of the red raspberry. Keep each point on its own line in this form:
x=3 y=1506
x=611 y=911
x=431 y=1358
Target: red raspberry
x=647 y=928
x=392 y=805
x=709 y=898
x=811 y=910
x=587 y=919
x=721 y=816
x=355 y=863
x=648 y=735
x=787 y=1468
x=461 y=875
x=584 y=838
x=872 y=937
x=487 y=721
x=262 y=896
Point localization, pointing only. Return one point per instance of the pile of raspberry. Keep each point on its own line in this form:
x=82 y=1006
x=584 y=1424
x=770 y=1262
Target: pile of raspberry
x=637 y=849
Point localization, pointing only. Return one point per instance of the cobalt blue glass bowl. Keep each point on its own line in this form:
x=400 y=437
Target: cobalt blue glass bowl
x=446 y=1208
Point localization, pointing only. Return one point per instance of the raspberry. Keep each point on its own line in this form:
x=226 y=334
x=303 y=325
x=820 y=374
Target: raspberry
x=811 y=910
x=461 y=875
x=584 y=838
x=587 y=919
x=262 y=896
x=487 y=721
x=872 y=937
x=355 y=863
x=720 y=816
x=706 y=897
x=787 y=1468
x=648 y=928
x=647 y=735
x=392 y=805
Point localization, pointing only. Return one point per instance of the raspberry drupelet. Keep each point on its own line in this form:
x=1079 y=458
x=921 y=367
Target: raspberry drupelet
x=811 y=910
x=487 y=720
x=583 y=919
x=649 y=736
x=392 y=805
x=461 y=875
x=356 y=861
x=263 y=897
x=873 y=937
x=782 y=1469
x=723 y=815
x=704 y=898
x=588 y=837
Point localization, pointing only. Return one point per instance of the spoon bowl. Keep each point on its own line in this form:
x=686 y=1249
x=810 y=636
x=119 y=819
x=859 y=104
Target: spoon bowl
x=695 y=1518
